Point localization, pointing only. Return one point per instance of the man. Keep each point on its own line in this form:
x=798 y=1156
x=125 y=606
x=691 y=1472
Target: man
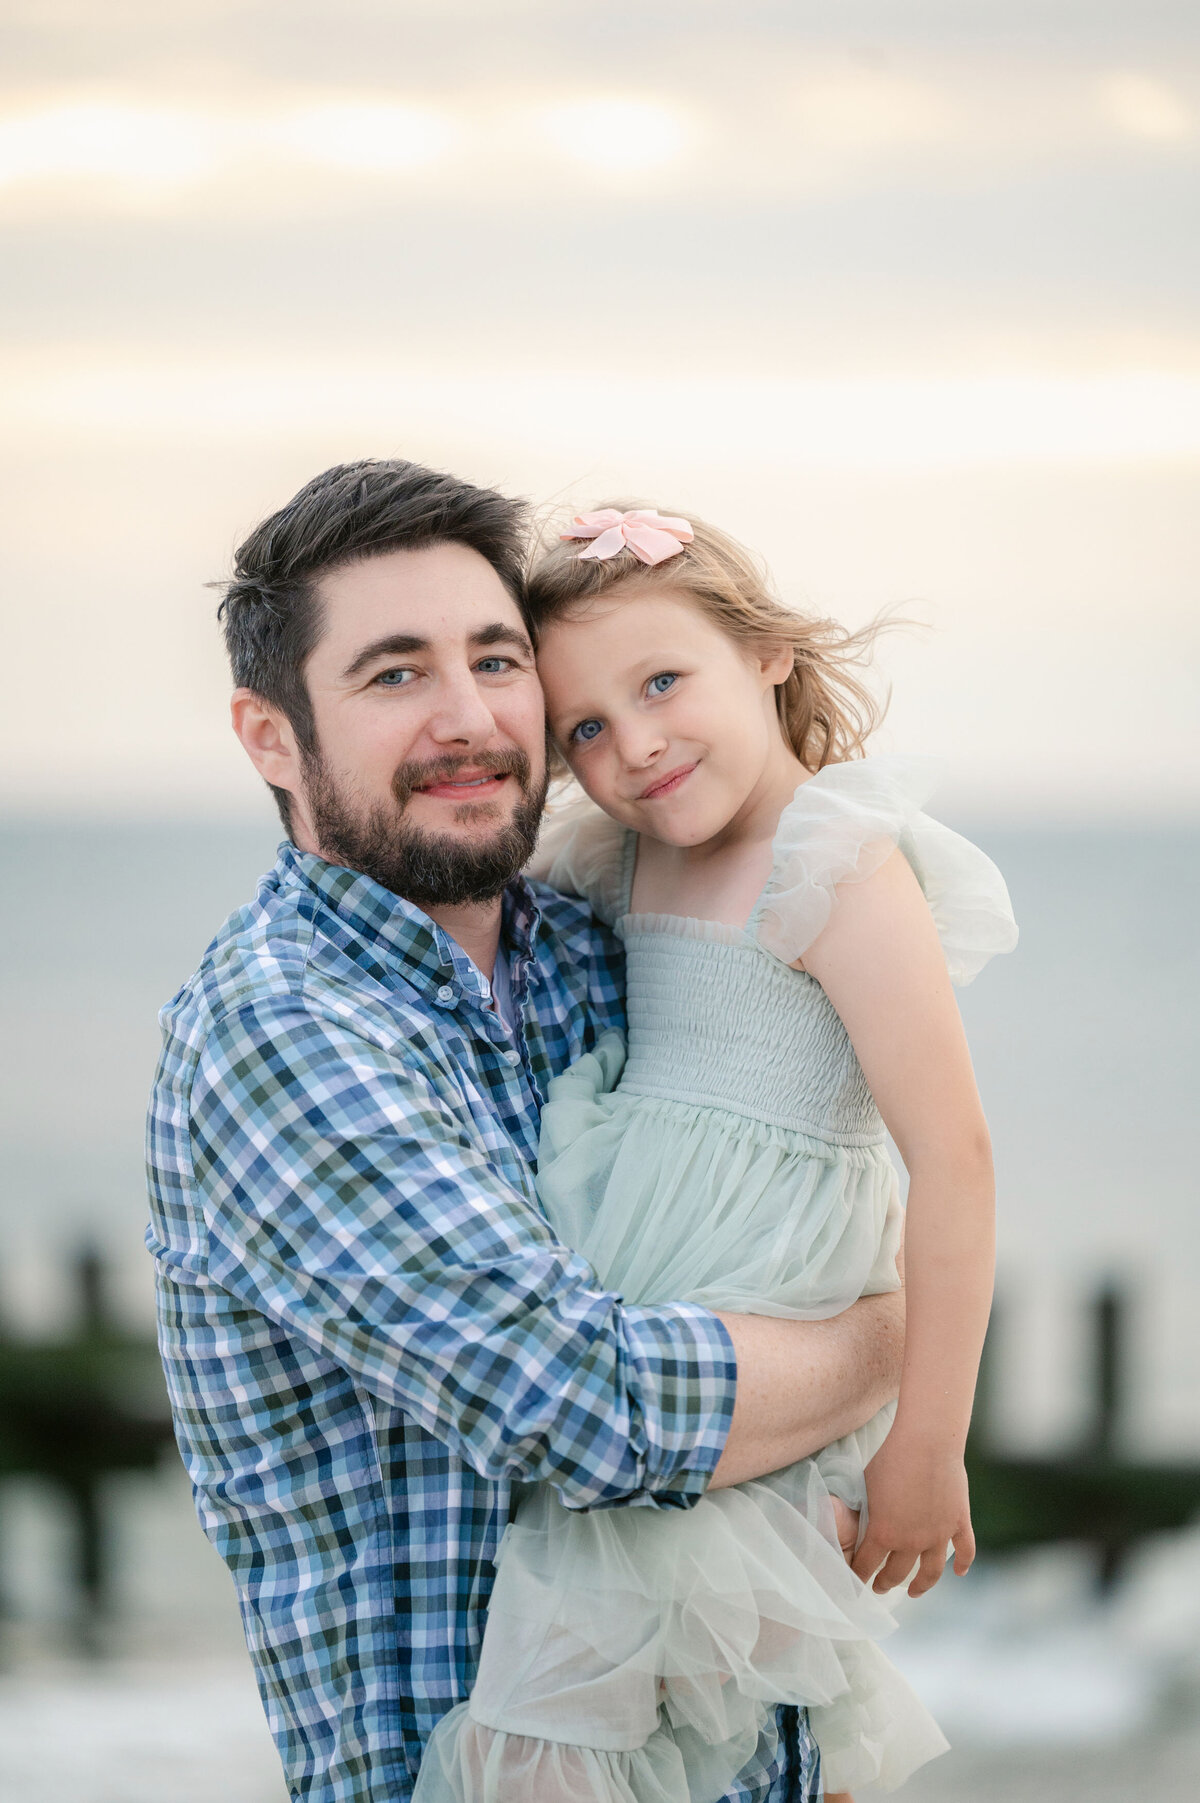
x=370 y=1333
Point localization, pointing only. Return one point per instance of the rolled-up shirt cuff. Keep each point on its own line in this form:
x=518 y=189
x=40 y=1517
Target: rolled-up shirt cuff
x=682 y=1363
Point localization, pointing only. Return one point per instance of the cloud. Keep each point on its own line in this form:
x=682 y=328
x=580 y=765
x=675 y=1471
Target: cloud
x=360 y=135
x=805 y=122
x=1146 y=108
x=109 y=142
x=616 y=133
x=866 y=110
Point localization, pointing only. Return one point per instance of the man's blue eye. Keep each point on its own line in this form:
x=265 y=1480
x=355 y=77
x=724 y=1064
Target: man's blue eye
x=492 y=666
x=393 y=679
x=586 y=730
x=665 y=678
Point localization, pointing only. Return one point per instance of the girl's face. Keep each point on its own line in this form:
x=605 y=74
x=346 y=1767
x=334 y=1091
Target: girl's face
x=667 y=723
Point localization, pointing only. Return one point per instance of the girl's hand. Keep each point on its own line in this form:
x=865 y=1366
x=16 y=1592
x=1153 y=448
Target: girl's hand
x=846 y=1522
x=917 y=1502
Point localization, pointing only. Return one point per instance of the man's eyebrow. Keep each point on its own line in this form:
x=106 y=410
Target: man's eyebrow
x=500 y=634
x=403 y=644
x=396 y=644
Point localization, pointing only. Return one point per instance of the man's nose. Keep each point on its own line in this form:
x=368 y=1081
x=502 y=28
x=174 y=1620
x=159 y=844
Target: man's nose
x=460 y=713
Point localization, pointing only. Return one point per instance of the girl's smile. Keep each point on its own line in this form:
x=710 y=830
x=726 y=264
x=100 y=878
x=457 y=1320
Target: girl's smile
x=668 y=784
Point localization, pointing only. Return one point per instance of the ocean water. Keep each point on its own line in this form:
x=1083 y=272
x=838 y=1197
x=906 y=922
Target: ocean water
x=1086 y=1042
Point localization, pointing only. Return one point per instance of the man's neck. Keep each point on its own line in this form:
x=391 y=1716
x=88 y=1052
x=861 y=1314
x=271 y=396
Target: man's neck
x=476 y=927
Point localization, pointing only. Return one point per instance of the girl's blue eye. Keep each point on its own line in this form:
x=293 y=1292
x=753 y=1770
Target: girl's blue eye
x=586 y=731
x=665 y=678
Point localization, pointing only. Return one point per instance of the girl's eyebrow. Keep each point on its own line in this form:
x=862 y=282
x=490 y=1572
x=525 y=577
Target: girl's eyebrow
x=568 y=718
x=559 y=722
x=640 y=670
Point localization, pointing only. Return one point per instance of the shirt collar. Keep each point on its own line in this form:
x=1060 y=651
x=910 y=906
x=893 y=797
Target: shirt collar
x=432 y=961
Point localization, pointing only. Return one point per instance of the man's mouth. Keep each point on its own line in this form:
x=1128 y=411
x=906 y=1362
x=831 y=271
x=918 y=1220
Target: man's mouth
x=462 y=787
x=469 y=783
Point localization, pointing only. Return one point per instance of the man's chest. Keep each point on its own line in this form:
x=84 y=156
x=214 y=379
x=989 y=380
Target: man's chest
x=493 y=1079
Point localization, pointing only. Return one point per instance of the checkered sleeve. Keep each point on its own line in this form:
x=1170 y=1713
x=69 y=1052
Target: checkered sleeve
x=345 y=1197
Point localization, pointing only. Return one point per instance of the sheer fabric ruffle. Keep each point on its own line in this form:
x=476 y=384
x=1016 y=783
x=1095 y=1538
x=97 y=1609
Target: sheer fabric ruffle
x=842 y=824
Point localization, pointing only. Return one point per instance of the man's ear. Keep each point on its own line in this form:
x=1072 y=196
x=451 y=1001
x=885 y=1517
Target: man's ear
x=269 y=741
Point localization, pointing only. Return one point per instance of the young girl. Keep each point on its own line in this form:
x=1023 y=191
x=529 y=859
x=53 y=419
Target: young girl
x=791 y=922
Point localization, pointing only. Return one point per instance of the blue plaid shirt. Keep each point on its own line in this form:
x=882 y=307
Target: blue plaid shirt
x=370 y=1334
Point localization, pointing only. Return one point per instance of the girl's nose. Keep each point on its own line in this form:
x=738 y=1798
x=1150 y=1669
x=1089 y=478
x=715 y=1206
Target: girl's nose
x=639 y=744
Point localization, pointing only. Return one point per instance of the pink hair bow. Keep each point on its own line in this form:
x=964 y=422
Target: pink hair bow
x=651 y=536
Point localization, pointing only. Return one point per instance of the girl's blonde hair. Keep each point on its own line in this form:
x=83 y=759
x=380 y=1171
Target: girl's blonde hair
x=825 y=708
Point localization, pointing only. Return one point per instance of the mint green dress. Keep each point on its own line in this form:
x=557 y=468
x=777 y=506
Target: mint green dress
x=730 y=1155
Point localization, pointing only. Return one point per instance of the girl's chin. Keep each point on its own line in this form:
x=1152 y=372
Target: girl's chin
x=670 y=821
x=682 y=830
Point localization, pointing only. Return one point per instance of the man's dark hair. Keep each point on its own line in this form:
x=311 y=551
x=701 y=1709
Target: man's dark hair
x=271 y=611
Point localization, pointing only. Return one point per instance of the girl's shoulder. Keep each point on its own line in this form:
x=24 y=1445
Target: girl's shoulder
x=581 y=851
x=842 y=824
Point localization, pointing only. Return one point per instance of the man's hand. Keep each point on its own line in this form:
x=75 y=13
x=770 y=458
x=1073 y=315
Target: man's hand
x=917 y=1503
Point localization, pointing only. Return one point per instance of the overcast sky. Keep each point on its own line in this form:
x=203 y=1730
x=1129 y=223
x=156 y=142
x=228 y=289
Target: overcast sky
x=905 y=294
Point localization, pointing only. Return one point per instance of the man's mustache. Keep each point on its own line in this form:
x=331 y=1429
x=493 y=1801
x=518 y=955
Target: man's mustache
x=413 y=776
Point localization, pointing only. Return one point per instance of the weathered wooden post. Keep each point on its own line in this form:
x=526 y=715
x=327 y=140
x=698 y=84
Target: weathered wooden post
x=75 y=1408
x=1091 y=1492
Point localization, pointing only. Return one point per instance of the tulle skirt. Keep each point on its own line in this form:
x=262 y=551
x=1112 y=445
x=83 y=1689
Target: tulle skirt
x=636 y=1654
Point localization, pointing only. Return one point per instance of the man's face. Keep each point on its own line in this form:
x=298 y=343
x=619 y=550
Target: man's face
x=429 y=772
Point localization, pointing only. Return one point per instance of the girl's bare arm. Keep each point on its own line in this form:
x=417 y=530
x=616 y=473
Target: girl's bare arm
x=880 y=962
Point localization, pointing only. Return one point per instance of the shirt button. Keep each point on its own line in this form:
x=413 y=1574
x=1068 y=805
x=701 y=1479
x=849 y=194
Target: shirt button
x=445 y=993
x=512 y=1057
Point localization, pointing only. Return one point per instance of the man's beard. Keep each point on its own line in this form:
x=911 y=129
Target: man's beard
x=429 y=869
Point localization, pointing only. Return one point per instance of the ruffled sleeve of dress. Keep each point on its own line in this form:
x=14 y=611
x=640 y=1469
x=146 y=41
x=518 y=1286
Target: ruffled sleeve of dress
x=841 y=825
x=580 y=851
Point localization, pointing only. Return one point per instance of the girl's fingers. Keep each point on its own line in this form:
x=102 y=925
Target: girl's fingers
x=933 y=1563
x=896 y=1568
x=964 y=1551
x=889 y=1566
x=846 y=1524
x=868 y=1558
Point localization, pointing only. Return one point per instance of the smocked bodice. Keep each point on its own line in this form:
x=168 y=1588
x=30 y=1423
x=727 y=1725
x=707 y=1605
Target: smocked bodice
x=716 y=1021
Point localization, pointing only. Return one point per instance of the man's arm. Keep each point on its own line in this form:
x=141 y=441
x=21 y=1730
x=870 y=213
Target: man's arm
x=803 y=1384
x=347 y=1199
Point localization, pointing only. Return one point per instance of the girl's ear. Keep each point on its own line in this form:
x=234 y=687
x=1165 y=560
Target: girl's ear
x=776 y=663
